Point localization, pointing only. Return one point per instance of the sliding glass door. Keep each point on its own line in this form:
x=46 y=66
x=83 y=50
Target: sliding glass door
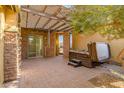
x=35 y=46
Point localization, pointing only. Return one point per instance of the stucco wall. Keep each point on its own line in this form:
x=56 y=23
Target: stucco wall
x=11 y=20
x=80 y=42
x=2 y=22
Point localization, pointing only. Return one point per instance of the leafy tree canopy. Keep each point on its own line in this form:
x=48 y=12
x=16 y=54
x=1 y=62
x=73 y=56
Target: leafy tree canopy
x=107 y=20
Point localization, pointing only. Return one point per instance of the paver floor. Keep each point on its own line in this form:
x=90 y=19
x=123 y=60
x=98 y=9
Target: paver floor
x=55 y=73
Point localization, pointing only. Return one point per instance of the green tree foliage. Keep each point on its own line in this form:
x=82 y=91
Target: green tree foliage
x=107 y=20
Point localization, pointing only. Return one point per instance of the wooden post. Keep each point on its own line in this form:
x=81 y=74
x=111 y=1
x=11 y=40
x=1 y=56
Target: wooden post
x=48 y=38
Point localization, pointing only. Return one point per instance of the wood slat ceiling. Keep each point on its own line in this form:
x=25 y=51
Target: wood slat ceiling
x=47 y=17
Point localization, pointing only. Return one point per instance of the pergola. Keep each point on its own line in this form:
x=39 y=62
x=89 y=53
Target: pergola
x=45 y=17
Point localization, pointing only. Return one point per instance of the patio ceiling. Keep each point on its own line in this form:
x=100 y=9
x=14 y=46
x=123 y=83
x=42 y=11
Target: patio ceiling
x=45 y=17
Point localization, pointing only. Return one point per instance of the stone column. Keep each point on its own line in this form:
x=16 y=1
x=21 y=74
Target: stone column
x=66 y=44
x=10 y=56
x=51 y=49
x=11 y=46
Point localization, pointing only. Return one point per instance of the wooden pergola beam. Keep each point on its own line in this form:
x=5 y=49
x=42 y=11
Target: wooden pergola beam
x=42 y=14
x=27 y=17
x=64 y=28
x=54 y=25
x=60 y=26
x=58 y=10
x=38 y=29
x=67 y=29
x=45 y=7
x=46 y=23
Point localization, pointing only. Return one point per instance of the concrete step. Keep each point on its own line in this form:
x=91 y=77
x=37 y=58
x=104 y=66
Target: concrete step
x=74 y=64
x=75 y=60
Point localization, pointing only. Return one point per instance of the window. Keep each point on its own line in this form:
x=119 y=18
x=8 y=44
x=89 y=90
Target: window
x=70 y=40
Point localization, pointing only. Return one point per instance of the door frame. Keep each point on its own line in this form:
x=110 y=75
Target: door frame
x=42 y=46
x=59 y=44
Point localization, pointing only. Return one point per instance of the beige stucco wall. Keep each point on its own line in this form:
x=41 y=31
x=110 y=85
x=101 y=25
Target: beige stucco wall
x=80 y=42
x=11 y=20
x=1 y=44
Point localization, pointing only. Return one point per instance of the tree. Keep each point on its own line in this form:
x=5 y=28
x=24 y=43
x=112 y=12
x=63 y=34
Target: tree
x=106 y=20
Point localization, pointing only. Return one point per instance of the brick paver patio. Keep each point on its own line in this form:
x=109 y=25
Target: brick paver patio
x=54 y=72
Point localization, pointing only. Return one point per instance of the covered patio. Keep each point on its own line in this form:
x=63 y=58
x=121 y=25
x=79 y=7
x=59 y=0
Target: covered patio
x=31 y=56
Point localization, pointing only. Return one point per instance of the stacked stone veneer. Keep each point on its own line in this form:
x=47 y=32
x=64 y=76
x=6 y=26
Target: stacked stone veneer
x=10 y=56
x=48 y=50
x=51 y=49
x=66 y=44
